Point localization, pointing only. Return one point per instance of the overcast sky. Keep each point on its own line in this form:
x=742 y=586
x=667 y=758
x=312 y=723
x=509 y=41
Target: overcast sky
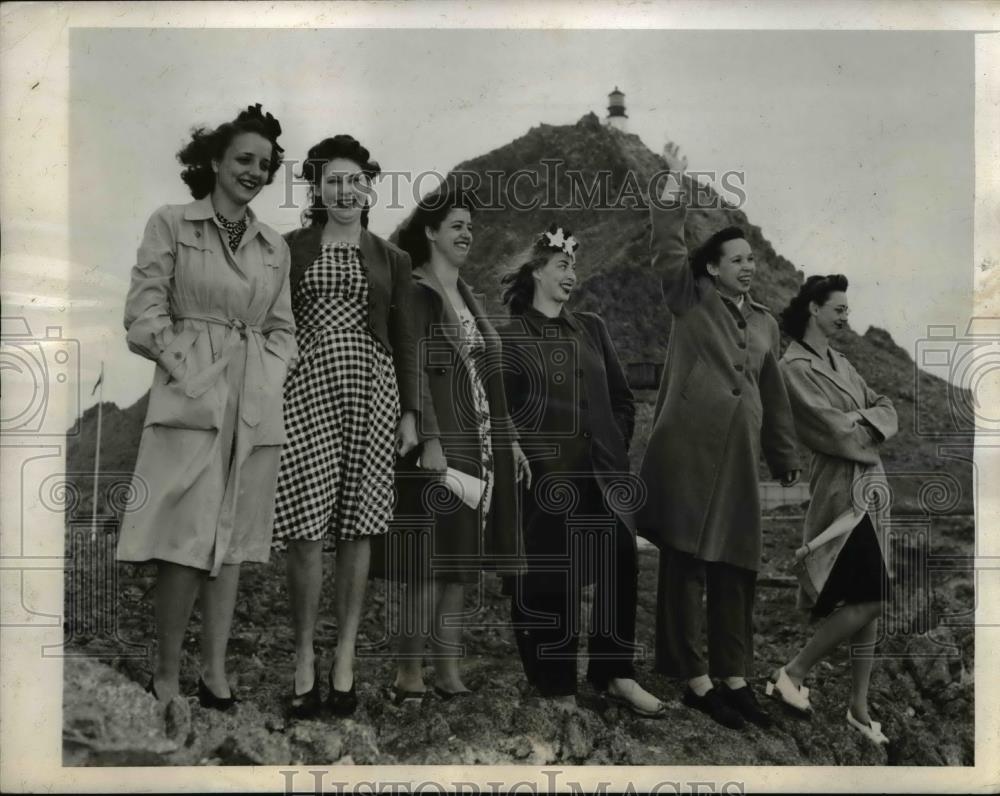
x=857 y=147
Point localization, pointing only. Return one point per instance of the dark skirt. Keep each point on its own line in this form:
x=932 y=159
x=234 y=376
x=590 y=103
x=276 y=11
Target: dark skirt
x=433 y=535
x=859 y=574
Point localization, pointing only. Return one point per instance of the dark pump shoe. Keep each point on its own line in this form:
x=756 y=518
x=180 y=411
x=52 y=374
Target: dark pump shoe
x=209 y=700
x=342 y=703
x=745 y=703
x=713 y=705
x=309 y=704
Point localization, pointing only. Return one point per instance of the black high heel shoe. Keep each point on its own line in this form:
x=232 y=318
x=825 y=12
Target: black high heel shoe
x=207 y=699
x=342 y=703
x=309 y=704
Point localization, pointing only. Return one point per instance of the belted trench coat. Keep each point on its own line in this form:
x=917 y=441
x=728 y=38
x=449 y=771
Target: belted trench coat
x=219 y=326
x=843 y=422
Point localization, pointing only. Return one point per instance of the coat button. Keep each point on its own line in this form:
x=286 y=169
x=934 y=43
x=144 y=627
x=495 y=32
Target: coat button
x=197 y=233
x=742 y=324
x=742 y=344
x=442 y=371
x=586 y=435
x=177 y=354
x=739 y=367
x=737 y=392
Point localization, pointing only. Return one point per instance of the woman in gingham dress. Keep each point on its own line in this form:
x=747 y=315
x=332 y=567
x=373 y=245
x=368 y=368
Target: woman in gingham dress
x=350 y=407
x=440 y=544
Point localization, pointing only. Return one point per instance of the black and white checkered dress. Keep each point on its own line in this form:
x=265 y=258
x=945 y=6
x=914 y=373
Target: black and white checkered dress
x=341 y=410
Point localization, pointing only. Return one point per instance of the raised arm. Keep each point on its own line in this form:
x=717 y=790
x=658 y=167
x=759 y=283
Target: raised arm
x=668 y=251
x=821 y=426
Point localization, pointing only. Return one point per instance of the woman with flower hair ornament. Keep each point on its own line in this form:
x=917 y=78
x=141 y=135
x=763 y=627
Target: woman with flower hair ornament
x=574 y=413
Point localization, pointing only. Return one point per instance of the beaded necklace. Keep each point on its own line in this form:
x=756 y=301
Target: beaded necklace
x=234 y=229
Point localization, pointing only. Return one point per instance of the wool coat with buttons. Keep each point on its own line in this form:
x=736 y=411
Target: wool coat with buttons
x=388 y=271
x=722 y=399
x=464 y=542
x=574 y=413
x=219 y=326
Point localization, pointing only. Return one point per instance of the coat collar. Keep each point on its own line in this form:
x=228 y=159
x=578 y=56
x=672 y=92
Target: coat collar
x=450 y=327
x=203 y=210
x=307 y=242
x=838 y=377
x=565 y=316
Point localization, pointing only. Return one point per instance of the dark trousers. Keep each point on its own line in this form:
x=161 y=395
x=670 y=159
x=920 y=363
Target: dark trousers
x=684 y=583
x=545 y=607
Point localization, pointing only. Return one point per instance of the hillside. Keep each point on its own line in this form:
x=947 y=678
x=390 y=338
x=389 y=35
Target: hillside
x=923 y=689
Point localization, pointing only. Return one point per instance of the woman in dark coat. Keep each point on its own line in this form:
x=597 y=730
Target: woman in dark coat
x=574 y=414
x=843 y=421
x=350 y=407
x=439 y=543
x=722 y=399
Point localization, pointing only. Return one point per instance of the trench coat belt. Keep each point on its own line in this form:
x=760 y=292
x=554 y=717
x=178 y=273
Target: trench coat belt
x=240 y=336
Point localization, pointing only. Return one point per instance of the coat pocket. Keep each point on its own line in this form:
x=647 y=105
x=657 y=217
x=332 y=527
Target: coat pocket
x=271 y=429
x=170 y=403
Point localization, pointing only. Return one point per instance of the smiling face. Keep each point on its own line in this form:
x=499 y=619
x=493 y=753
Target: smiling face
x=243 y=170
x=344 y=190
x=734 y=271
x=556 y=279
x=453 y=239
x=831 y=317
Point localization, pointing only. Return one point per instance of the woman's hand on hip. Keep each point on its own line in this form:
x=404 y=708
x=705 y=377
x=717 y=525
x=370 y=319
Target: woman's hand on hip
x=406 y=433
x=791 y=478
x=432 y=457
x=521 y=466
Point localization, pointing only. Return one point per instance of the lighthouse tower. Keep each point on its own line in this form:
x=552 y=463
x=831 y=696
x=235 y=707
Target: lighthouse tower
x=616 y=110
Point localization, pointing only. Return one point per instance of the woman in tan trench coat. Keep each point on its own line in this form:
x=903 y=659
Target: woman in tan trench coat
x=722 y=399
x=843 y=422
x=209 y=303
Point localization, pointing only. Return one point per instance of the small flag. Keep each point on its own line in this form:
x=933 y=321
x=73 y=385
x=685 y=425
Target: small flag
x=99 y=381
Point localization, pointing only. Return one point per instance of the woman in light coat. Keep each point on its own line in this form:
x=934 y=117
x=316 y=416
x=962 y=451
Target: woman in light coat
x=843 y=422
x=209 y=303
x=721 y=401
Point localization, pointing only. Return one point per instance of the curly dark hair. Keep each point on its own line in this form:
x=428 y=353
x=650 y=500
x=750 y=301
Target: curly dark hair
x=431 y=211
x=518 y=284
x=711 y=250
x=338 y=146
x=207 y=145
x=795 y=317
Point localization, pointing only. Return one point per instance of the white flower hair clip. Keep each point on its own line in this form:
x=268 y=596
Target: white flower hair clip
x=561 y=240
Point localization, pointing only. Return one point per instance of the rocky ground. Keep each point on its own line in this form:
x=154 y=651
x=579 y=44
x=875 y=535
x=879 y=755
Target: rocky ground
x=922 y=689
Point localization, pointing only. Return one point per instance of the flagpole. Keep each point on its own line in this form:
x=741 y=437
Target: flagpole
x=97 y=450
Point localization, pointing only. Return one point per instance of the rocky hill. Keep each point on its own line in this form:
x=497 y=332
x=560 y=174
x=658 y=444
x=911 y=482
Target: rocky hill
x=922 y=689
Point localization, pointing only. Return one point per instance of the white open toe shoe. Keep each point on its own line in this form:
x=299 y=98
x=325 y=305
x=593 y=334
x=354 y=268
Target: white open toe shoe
x=784 y=690
x=873 y=730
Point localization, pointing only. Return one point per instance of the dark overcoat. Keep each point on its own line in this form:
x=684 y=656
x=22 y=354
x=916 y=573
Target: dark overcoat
x=721 y=400
x=461 y=545
x=388 y=271
x=574 y=413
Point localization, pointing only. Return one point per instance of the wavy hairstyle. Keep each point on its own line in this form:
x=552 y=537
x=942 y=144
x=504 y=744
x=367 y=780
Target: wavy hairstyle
x=431 y=211
x=208 y=145
x=518 y=284
x=795 y=317
x=711 y=250
x=338 y=146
